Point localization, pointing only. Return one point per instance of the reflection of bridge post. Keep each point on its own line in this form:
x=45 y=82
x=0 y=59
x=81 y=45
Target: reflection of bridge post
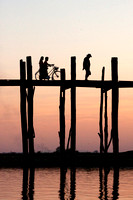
x=62 y=193
x=101 y=183
x=116 y=183
x=103 y=177
x=25 y=184
x=28 y=187
x=106 y=172
x=103 y=189
x=62 y=183
x=73 y=183
x=31 y=183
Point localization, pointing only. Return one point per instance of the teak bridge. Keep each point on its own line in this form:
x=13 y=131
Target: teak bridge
x=27 y=89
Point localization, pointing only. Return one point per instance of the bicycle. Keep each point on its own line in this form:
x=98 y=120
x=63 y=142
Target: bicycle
x=54 y=72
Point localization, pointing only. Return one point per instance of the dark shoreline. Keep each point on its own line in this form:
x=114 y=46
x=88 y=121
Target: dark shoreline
x=15 y=160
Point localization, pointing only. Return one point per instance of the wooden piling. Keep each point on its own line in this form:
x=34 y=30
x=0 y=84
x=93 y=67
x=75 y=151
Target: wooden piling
x=101 y=115
x=115 y=99
x=30 y=106
x=23 y=107
x=73 y=105
x=62 y=112
x=106 y=125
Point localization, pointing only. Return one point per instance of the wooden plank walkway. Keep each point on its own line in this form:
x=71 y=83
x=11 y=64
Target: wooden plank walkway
x=67 y=83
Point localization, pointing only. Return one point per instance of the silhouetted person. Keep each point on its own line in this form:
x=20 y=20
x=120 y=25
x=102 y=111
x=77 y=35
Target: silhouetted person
x=41 y=68
x=86 y=65
x=45 y=66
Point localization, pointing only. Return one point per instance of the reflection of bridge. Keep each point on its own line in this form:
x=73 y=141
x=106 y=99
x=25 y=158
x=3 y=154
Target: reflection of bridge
x=27 y=88
x=28 y=188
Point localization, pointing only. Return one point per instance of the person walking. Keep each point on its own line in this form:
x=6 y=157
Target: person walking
x=41 y=69
x=46 y=65
x=86 y=65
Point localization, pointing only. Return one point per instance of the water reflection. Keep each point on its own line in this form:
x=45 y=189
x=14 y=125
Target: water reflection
x=28 y=184
x=116 y=184
x=103 y=186
x=73 y=184
x=64 y=190
x=67 y=186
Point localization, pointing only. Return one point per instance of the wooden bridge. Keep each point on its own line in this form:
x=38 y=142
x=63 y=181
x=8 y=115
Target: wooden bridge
x=27 y=89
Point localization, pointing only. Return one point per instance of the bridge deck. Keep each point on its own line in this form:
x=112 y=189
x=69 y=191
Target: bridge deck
x=67 y=83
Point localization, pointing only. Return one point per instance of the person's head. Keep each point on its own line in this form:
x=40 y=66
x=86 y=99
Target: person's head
x=46 y=58
x=41 y=59
x=89 y=55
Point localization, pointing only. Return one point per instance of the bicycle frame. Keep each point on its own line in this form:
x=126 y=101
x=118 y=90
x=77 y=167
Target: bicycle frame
x=51 y=73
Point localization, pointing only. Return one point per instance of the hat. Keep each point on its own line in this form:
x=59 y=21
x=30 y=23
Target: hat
x=89 y=55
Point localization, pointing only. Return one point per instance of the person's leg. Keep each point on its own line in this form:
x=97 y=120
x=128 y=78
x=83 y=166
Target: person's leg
x=87 y=74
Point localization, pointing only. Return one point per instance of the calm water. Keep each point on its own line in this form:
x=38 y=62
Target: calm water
x=62 y=184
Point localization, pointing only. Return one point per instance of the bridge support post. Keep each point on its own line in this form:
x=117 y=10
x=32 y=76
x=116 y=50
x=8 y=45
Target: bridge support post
x=73 y=105
x=62 y=113
x=115 y=100
x=23 y=107
x=106 y=125
x=101 y=115
x=31 y=133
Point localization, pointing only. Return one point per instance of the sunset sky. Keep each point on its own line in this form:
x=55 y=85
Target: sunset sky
x=60 y=29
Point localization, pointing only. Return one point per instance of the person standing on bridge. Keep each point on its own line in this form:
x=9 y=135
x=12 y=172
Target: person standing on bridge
x=41 y=69
x=45 y=66
x=86 y=65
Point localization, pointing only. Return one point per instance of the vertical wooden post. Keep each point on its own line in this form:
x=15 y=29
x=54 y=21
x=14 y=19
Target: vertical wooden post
x=62 y=113
x=30 y=106
x=106 y=125
x=23 y=107
x=101 y=115
x=115 y=97
x=73 y=105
